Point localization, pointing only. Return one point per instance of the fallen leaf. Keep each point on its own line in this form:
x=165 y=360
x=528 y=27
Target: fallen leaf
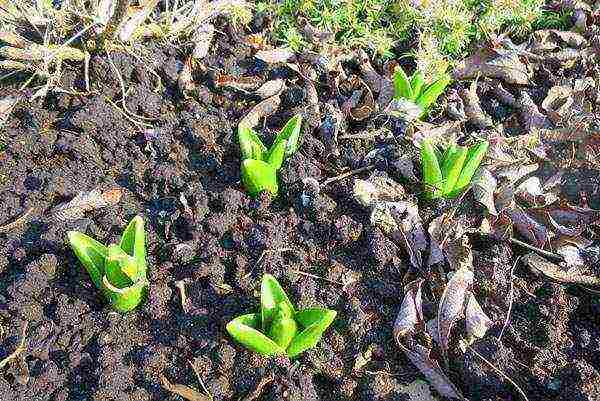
x=531 y=117
x=363 y=359
x=85 y=202
x=239 y=83
x=379 y=187
x=533 y=192
x=441 y=135
x=473 y=110
x=271 y=88
x=263 y=109
x=421 y=358
x=411 y=313
x=580 y=275
x=476 y=321
x=402 y=222
x=181 y=390
x=369 y=74
x=449 y=242
x=532 y=230
x=452 y=303
x=484 y=185
x=185 y=80
x=548 y=40
x=273 y=56
x=502 y=63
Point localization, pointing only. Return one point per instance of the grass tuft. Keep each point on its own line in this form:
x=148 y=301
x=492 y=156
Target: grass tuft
x=445 y=29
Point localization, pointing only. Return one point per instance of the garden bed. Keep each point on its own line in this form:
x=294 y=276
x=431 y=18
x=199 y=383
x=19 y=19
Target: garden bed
x=165 y=147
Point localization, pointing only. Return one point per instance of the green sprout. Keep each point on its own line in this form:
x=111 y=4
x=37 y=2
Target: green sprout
x=447 y=175
x=415 y=91
x=279 y=329
x=118 y=270
x=259 y=165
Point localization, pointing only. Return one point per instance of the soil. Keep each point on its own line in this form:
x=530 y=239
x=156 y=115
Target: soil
x=326 y=253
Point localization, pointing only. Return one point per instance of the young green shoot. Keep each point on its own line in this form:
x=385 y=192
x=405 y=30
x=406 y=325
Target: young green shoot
x=279 y=329
x=259 y=164
x=415 y=91
x=449 y=174
x=119 y=271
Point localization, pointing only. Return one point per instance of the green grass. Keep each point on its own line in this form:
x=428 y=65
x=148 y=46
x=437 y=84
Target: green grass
x=446 y=29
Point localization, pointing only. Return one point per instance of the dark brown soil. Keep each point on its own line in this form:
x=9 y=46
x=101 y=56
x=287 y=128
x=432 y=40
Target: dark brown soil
x=78 y=349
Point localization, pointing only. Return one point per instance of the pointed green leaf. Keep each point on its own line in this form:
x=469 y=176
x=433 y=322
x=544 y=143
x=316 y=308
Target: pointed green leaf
x=258 y=176
x=402 y=88
x=315 y=321
x=474 y=158
x=417 y=81
x=90 y=253
x=290 y=134
x=432 y=92
x=283 y=328
x=113 y=266
x=432 y=174
x=271 y=295
x=276 y=155
x=452 y=167
x=250 y=144
x=125 y=299
x=133 y=243
x=243 y=329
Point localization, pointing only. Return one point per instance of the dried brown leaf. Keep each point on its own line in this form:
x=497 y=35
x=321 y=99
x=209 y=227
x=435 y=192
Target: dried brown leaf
x=448 y=241
x=452 y=303
x=273 y=56
x=421 y=358
x=580 y=275
x=379 y=187
x=181 y=390
x=484 y=186
x=271 y=88
x=238 y=83
x=548 y=40
x=531 y=117
x=411 y=313
x=85 y=202
x=532 y=230
x=261 y=110
x=476 y=321
x=504 y=64
x=473 y=110
x=368 y=73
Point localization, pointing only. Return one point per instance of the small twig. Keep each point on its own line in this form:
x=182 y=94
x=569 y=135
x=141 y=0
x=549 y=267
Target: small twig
x=17 y=222
x=511 y=298
x=256 y=393
x=317 y=277
x=268 y=251
x=20 y=348
x=373 y=135
x=501 y=374
x=195 y=369
x=540 y=251
x=347 y=174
